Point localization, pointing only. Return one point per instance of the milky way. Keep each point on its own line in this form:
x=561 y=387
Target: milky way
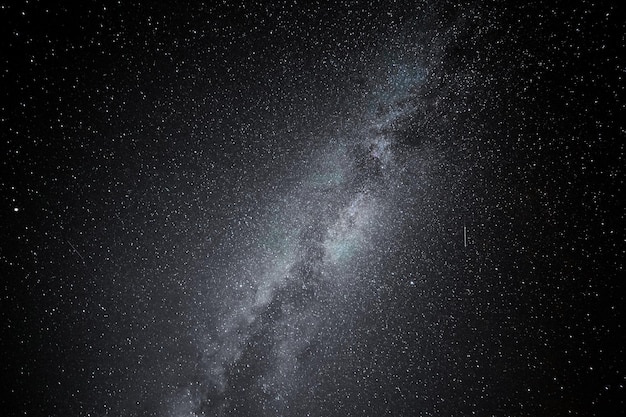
x=323 y=239
x=403 y=208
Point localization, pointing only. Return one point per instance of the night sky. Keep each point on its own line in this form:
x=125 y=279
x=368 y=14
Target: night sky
x=378 y=208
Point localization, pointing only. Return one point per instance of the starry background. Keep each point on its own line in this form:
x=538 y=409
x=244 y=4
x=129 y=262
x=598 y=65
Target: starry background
x=362 y=208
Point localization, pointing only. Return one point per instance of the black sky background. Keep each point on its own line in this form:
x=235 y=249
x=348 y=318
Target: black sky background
x=139 y=137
